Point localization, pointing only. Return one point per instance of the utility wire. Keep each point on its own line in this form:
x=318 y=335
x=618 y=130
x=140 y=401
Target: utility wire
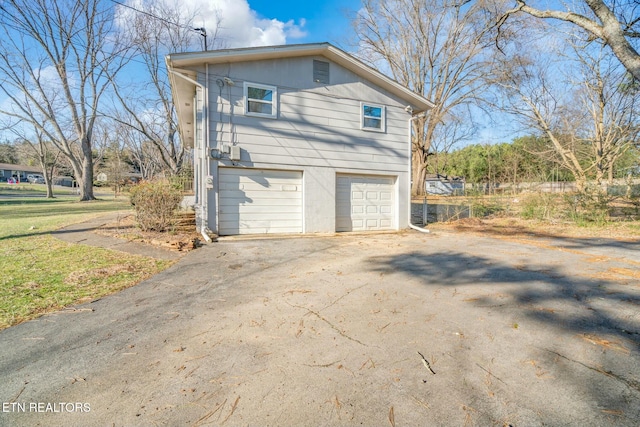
x=152 y=15
x=79 y=42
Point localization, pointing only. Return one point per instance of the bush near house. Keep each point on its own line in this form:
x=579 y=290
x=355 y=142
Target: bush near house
x=155 y=203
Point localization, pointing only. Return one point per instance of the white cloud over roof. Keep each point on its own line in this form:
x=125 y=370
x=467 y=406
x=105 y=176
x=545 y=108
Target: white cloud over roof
x=241 y=26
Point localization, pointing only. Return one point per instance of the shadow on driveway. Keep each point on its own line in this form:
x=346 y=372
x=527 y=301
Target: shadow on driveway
x=332 y=330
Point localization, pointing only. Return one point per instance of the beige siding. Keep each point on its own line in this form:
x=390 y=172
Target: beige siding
x=317 y=125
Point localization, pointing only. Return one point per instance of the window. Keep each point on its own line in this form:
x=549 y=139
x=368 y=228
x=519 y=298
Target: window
x=260 y=100
x=372 y=117
x=320 y=72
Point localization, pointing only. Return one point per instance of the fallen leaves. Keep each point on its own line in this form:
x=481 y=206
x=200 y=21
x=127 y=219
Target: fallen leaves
x=613 y=345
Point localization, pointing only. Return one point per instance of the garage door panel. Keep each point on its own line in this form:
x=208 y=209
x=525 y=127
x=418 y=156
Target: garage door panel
x=257 y=215
x=364 y=203
x=242 y=200
x=258 y=188
x=257 y=228
x=258 y=201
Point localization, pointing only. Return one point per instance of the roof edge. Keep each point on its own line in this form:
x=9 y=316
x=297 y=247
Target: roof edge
x=179 y=60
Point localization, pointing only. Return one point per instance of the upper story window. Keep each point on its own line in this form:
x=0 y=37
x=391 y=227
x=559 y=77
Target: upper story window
x=260 y=100
x=373 y=117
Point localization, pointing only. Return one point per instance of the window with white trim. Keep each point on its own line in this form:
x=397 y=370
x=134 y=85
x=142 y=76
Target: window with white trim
x=260 y=100
x=373 y=117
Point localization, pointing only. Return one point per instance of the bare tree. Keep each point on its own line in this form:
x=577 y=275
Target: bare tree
x=161 y=28
x=56 y=57
x=435 y=48
x=612 y=124
x=588 y=121
x=615 y=22
x=43 y=151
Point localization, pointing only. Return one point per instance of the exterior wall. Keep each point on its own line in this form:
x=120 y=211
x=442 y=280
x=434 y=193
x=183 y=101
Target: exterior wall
x=319 y=199
x=317 y=130
x=445 y=188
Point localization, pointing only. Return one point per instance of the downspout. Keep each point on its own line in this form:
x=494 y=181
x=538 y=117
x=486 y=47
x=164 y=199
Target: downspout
x=205 y=143
x=206 y=153
x=415 y=227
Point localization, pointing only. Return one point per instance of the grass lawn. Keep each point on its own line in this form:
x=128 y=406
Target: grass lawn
x=39 y=273
x=26 y=189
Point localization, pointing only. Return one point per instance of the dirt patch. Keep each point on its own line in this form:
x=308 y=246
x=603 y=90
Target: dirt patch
x=181 y=237
x=628 y=231
x=86 y=277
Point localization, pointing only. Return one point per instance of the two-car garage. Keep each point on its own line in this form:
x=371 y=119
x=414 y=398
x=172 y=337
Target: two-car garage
x=259 y=201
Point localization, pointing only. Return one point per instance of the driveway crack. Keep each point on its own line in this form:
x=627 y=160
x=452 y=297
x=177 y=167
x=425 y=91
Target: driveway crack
x=334 y=327
x=629 y=383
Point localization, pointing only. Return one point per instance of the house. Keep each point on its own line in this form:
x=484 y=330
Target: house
x=294 y=139
x=125 y=177
x=17 y=172
x=443 y=185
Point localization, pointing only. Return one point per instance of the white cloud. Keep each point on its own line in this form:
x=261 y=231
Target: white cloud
x=241 y=26
x=295 y=31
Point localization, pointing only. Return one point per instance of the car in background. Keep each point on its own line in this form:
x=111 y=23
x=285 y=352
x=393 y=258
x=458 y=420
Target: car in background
x=35 y=179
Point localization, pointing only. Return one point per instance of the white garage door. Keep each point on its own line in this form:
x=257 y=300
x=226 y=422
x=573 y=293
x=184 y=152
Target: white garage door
x=258 y=201
x=364 y=203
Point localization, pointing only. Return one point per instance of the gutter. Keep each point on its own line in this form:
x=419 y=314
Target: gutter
x=415 y=227
x=205 y=145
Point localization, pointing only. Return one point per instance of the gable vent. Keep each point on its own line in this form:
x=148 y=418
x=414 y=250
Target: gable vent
x=320 y=72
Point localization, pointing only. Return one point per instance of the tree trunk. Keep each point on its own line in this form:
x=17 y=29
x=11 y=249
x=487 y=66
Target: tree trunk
x=613 y=35
x=611 y=29
x=86 y=174
x=49 y=185
x=419 y=176
x=47 y=178
x=581 y=185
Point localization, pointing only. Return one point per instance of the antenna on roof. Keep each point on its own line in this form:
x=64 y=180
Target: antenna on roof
x=203 y=32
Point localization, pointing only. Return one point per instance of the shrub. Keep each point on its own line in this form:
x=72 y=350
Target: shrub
x=541 y=206
x=155 y=203
x=590 y=207
x=482 y=206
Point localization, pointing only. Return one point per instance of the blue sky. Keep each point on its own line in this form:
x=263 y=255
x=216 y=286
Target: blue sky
x=268 y=22
x=325 y=21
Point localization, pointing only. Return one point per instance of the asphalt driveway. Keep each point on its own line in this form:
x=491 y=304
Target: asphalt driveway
x=320 y=331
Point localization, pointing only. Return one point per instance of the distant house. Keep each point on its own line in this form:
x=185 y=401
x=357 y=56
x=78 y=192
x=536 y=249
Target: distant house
x=294 y=139
x=127 y=177
x=65 y=181
x=17 y=172
x=444 y=186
